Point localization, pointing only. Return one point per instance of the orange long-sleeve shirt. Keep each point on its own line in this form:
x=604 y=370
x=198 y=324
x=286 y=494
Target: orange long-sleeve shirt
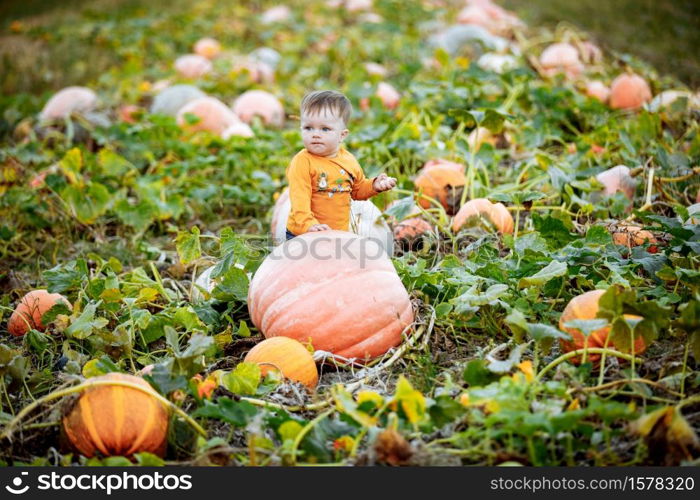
x=320 y=190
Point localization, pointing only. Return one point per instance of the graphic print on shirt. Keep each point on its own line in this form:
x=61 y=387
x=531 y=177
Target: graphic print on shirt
x=322 y=182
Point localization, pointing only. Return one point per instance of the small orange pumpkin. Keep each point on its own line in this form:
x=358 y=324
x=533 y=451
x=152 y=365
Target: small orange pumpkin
x=631 y=235
x=207 y=47
x=116 y=420
x=585 y=306
x=597 y=90
x=629 y=91
x=410 y=229
x=561 y=58
x=193 y=66
x=497 y=214
x=335 y=289
x=288 y=356
x=442 y=180
x=31 y=308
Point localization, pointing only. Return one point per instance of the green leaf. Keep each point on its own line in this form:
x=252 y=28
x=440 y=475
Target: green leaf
x=146 y=459
x=552 y=270
x=236 y=413
x=545 y=335
x=112 y=164
x=553 y=230
x=64 y=277
x=243 y=380
x=86 y=324
x=289 y=430
x=493 y=120
x=233 y=286
x=139 y=216
x=587 y=326
x=188 y=246
x=87 y=202
x=187 y=317
x=476 y=374
x=471 y=300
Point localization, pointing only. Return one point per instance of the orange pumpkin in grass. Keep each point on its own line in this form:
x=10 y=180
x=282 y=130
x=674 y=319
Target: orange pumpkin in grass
x=286 y=355
x=261 y=103
x=629 y=91
x=617 y=179
x=631 y=235
x=441 y=180
x=207 y=47
x=193 y=66
x=585 y=306
x=31 y=308
x=214 y=116
x=116 y=420
x=496 y=213
x=597 y=90
x=410 y=229
x=561 y=58
x=335 y=289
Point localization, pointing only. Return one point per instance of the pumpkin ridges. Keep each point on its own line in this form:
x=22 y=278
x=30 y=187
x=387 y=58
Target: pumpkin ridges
x=118 y=403
x=291 y=299
x=329 y=314
x=274 y=272
x=86 y=412
x=146 y=428
x=117 y=420
x=370 y=344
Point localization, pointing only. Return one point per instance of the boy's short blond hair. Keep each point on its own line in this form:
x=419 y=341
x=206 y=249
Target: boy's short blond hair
x=330 y=100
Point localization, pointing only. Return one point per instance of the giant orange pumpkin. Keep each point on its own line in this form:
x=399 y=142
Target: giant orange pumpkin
x=585 y=306
x=286 y=355
x=116 y=420
x=31 y=308
x=629 y=91
x=477 y=208
x=443 y=181
x=335 y=289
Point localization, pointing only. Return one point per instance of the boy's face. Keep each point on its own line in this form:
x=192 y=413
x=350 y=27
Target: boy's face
x=322 y=132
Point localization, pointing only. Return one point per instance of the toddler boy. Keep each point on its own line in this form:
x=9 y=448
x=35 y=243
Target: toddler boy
x=323 y=177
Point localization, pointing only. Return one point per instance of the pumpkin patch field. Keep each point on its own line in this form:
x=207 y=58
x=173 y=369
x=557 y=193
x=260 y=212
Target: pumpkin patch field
x=528 y=293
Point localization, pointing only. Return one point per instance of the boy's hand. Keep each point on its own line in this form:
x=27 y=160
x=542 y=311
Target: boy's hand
x=319 y=227
x=383 y=183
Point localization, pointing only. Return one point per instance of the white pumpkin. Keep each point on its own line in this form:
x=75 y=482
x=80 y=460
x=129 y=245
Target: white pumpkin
x=365 y=220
